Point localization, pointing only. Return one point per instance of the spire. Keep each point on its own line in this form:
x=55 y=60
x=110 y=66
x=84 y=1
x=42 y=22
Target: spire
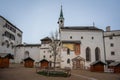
x=61 y=13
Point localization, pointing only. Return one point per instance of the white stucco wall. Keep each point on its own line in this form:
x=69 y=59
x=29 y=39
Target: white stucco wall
x=34 y=53
x=116 y=45
x=87 y=41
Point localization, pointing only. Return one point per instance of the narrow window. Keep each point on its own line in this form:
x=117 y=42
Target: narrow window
x=68 y=51
x=70 y=37
x=81 y=37
x=88 y=54
x=68 y=61
x=97 y=54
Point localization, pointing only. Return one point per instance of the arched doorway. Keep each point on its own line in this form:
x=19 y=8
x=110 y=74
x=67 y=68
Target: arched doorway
x=78 y=63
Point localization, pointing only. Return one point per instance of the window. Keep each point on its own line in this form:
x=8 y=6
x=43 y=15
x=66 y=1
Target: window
x=68 y=51
x=44 y=56
x=9 y=35
x=81 y=37
x=112 y=53
x=2 y=43
x=68 y=61
x=97 y=54
x=19 y=35
x=92 y=37
x=110 y=37
x=88 y=54
x=10 y=27
x=111 y=44
x=70 y=37
x=43 y=51
x=50 y=56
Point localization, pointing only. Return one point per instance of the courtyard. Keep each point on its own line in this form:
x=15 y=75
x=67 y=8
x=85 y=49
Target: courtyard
x=19 y=72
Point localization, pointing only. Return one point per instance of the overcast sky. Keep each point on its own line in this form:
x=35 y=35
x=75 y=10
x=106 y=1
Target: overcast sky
x=38 y=18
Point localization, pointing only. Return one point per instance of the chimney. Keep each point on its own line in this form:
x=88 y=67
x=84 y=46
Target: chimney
x=108 y=28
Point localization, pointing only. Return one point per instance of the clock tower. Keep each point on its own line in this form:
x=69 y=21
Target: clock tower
x=61 y=19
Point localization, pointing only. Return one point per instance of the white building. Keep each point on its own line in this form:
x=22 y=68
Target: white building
x=84 y=43
x=24 y=51
x=10 y=36
x=112 y=44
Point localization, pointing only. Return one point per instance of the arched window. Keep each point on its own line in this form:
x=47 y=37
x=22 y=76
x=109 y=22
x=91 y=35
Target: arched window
x=26 y=55
x=68 y=61
x=88 y=54
x=97 y=54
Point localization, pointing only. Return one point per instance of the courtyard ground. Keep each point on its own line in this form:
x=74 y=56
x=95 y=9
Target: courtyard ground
x=18 y=72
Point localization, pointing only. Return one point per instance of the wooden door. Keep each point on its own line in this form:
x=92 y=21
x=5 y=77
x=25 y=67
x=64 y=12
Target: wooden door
x=44 y=64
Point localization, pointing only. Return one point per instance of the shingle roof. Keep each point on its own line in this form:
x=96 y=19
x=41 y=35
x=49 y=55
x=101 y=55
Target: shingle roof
x=71 y=41
x=28 y=45
x=114 y=63
x=46 y=38
x=96 y=62
x=29 y=58
x=10 y=56
x=81 y=28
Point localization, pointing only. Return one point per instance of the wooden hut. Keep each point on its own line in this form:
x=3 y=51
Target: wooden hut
x=97 y=66
x=5 y=60
x=29 y=62
x=44 y=63
x=115 y=66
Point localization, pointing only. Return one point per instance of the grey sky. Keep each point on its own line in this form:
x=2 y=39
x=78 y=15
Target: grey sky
x=38 y=18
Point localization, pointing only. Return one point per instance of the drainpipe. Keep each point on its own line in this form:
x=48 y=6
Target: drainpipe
x=104 y=47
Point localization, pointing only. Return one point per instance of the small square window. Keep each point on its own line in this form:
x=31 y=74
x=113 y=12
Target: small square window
x=92 y=37
x=81 y=37
x=110 y=37
x=112 y=53
x=70 y=37
x=111 y=44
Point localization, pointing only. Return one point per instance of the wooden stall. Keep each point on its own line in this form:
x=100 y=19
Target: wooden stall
x=44 y=63
x=115 y=66
x=97 y=66
x=5 y=60
x=29 y=62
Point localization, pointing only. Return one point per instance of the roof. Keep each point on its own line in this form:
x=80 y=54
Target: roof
x=46 y=38
x=10 y=56
x=10 y=23
x=44 y=60
x=96 y=62
x=114 y=64
x=29 y=58
x=78 y=58
x=61 y=13
x=28 y=45
x=71 y=41
x=81 y=28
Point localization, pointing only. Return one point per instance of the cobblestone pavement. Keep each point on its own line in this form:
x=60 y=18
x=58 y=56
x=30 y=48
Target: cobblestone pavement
x=18 y=72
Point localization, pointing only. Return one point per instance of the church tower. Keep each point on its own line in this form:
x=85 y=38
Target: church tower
x=61 y=19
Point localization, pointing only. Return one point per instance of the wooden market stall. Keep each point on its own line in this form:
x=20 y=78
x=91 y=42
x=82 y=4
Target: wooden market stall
x=97 y=66
x=29 y=62
x=5 y=60
x=115 y=66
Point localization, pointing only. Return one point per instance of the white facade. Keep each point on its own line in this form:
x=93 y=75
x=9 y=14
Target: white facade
x=9 y=36
x=112 y=45
x=88 y=38
x=27 y=50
